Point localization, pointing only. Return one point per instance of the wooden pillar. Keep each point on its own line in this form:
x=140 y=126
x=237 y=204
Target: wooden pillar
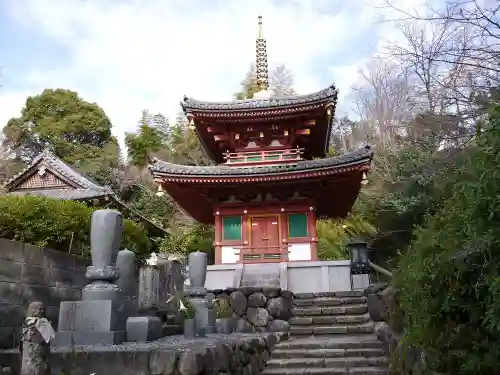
x=311 y=219
x=284 y=235
x=218 y=239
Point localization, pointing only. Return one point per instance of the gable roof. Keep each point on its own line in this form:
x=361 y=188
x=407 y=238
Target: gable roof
x=69 y=183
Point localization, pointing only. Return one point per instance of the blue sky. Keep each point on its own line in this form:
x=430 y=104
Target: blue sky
x=130 y=55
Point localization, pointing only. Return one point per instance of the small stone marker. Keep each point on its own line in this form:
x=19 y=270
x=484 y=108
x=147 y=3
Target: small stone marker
x=143 y=328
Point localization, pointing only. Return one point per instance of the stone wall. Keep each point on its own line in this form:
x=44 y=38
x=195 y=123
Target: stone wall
x=382 y=307
x=258 y=309
x=219 y=355
x=29 y=273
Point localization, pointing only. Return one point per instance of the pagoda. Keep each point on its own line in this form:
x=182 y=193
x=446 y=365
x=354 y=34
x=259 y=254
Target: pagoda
x=272 y=179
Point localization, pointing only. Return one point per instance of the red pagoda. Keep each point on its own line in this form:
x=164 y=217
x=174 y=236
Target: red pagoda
x=272 y=179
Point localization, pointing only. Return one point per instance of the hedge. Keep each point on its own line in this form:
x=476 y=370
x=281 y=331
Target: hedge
x=59 y=224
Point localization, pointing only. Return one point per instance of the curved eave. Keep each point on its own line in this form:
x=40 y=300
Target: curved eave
x=355 y=160
x=259 y=105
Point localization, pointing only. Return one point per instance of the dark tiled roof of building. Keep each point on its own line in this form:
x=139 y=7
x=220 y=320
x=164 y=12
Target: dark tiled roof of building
x=63 y=194
x=79 y=186
x=330 y=92
x=353 y=157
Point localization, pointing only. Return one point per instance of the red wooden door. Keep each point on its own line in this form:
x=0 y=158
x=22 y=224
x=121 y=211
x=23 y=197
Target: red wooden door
x=264 y=240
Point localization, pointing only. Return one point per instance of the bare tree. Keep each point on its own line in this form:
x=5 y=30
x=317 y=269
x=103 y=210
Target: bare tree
x=383 y=100
x=281 y=81
x=453 y=50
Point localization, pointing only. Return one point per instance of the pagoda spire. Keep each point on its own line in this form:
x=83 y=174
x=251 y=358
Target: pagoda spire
x=261 y=62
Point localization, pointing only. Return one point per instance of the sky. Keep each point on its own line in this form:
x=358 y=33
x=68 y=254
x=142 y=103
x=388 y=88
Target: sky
x=131 y=55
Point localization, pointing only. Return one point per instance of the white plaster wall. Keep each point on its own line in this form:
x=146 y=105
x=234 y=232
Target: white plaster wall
x=302 y=277
x=229 y=255
x=319 y=276
x=220 y=276
x=299 y=251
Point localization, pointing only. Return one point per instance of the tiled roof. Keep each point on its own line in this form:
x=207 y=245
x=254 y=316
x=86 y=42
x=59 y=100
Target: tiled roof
x=84 y=187
x=353 y=157
x=330 y=92
x=63 y=194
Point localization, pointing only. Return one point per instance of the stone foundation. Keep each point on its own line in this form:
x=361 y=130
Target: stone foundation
x=258 y=309
x=244 y=354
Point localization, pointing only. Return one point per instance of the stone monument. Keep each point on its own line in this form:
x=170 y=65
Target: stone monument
x=127 y=280
x=160 y=279
x=197 y=293
x=100 y=317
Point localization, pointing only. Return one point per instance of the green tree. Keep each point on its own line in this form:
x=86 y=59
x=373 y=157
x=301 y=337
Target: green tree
x=248 y=86
x=449 y=284
x=77 y=131
x=184 y=146
x=142 y=144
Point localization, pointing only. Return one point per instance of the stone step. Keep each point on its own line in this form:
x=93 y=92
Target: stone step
x=351 y=341
x=328 y=353
x=327 y=371
x=328 y=301
x=341 y=294
x=329 y=319
x=334 y=310
x=331 y=329
x=327 y=362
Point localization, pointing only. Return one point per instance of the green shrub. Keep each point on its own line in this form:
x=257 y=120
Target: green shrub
x=449 y=283
x=58 y=224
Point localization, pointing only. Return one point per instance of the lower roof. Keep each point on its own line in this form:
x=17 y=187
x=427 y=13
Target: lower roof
x=160 y=168
x=333 y=183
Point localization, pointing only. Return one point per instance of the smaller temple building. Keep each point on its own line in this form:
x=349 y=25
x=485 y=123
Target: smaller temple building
x=49 y=176
x=272 y=180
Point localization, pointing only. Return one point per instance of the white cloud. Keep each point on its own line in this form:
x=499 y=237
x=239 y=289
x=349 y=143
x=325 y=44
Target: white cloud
x=129 y=55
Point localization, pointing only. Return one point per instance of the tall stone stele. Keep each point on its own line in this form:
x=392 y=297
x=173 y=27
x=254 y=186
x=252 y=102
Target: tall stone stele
x=100 y=317
x=197 y=293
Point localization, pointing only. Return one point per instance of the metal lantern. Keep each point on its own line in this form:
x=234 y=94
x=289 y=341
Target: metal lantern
x=360 y=264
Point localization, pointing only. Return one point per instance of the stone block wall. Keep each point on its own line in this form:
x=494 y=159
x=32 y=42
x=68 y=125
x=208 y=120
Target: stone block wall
x=237 y=354
x=29 y=273
x=258 y=309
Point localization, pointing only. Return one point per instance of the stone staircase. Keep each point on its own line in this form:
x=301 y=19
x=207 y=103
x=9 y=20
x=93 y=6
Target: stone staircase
x=330 y=313
x=331 y=334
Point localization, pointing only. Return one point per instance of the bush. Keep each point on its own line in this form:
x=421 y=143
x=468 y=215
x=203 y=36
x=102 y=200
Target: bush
x=449 y=283
x=60 y=225
x=333 y=235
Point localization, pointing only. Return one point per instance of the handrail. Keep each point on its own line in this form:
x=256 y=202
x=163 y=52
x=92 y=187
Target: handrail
x=381 y=270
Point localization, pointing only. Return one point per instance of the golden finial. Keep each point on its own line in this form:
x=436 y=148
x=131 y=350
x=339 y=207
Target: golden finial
x=261 y=62
x=260 y=26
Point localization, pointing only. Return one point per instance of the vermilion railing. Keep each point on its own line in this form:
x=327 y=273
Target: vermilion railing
x=260 y=157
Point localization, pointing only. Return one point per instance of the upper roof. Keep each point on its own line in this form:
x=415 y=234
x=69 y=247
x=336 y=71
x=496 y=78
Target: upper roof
x=49 y=176
x=319 y=107
x=198 y=106
x=162 y=168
